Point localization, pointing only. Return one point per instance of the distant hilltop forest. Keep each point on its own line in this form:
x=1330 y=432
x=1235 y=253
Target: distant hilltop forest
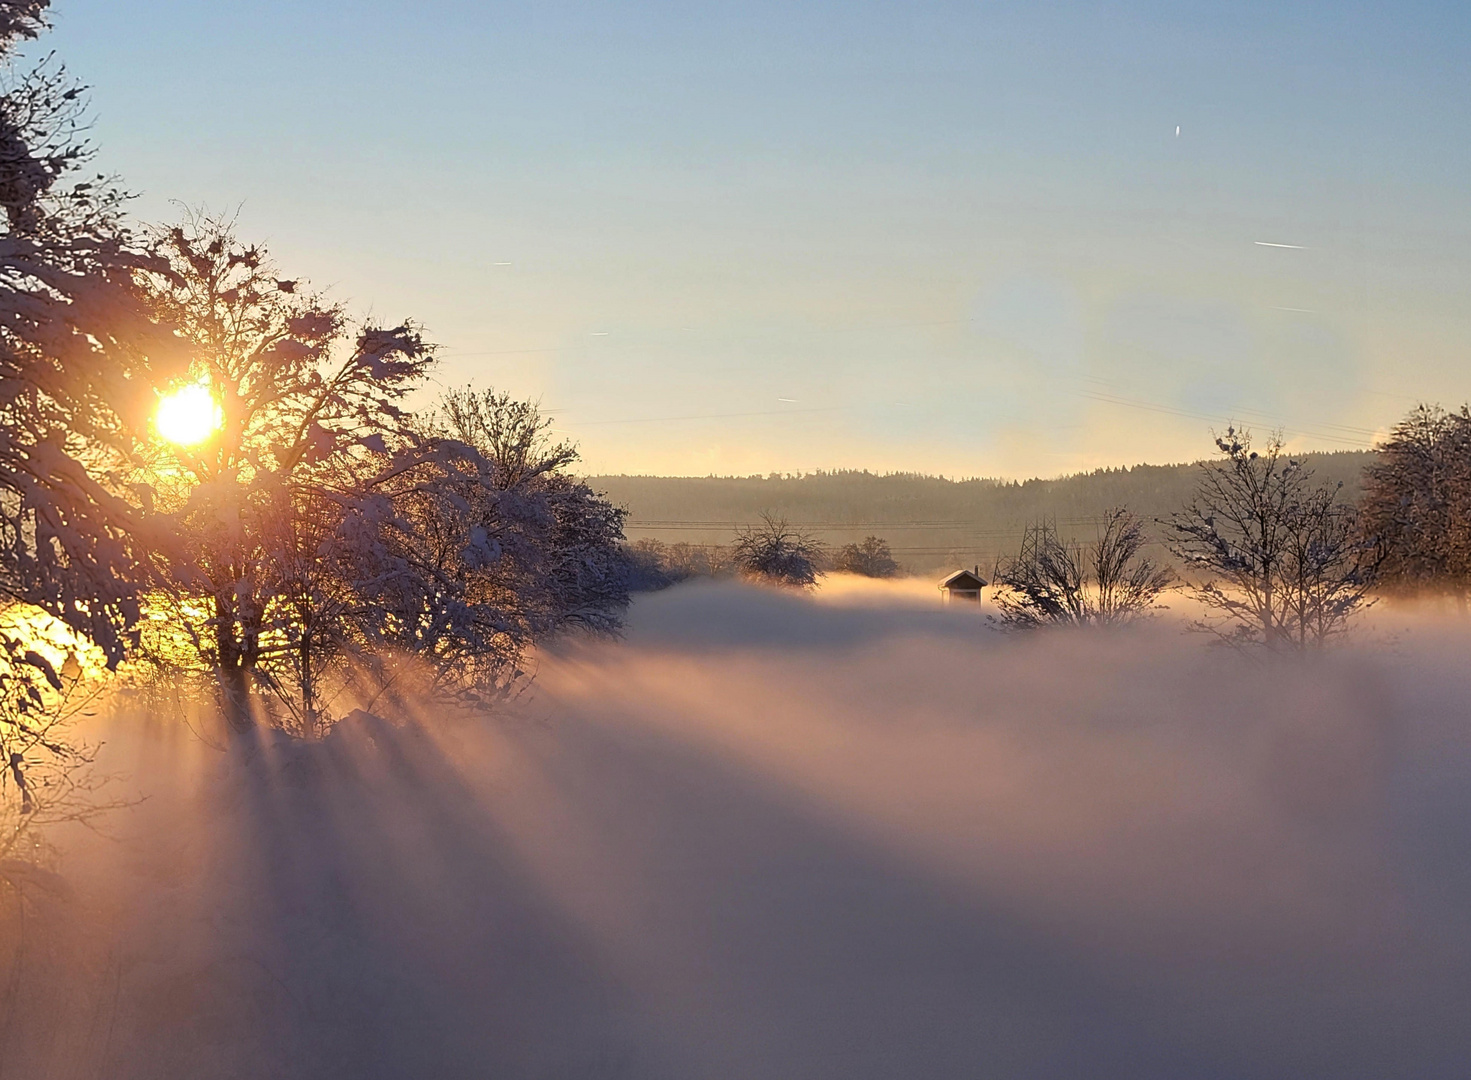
x=930 y=523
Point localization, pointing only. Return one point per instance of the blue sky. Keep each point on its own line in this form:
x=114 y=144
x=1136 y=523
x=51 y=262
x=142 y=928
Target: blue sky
x=960 y=238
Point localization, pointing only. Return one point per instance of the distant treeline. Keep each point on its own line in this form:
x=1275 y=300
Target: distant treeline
x=931 y=523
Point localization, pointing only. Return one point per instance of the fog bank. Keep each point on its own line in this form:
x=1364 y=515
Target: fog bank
x=853 y=836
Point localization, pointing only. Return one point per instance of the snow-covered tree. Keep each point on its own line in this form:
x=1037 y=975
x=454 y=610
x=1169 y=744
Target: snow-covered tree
x=579 y=576
x=309 y=414
x=488 y=544
x=79 y=351
x=45 y=773
x=1417 y=503
x=267 y=551
x=870 y=558
x=330 y=544
x=776 y=552
x=656 y=565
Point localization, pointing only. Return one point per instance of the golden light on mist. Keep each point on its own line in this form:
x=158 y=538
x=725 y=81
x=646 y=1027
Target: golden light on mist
x=189 y=415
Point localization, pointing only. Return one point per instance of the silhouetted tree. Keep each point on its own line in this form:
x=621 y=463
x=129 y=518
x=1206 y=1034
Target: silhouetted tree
x=1280 y=561
x=311 y=422
x=871 y=558
x=657 y=565
x=323 y=533
x=776 y=552
x=78 y=353
x=1106 y=583
x=1417 y=503
x=648 y=562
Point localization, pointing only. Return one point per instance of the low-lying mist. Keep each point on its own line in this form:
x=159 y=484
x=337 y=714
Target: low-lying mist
x=766 y=835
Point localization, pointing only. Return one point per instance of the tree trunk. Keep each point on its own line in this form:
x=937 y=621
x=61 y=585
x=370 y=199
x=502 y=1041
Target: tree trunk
x=231 y=661
x=308 y=687
x=235 y=698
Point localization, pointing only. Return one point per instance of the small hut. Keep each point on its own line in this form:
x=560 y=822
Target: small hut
x=963 y=585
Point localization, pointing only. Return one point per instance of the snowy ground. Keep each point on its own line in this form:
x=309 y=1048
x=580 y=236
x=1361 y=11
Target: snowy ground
x=766 y=836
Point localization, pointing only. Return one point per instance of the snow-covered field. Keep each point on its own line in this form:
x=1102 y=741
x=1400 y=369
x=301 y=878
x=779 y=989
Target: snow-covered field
x=769 y=836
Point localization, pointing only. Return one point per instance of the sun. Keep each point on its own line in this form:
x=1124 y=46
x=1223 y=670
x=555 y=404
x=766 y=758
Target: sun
x=189 y=415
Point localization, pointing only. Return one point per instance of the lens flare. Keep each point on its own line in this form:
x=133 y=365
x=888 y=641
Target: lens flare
x=189 y=415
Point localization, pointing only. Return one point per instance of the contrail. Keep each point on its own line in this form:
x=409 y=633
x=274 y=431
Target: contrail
x=1268 y=243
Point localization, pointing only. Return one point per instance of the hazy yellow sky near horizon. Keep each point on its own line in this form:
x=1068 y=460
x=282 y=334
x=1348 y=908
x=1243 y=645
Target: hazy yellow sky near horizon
x=1002 y=240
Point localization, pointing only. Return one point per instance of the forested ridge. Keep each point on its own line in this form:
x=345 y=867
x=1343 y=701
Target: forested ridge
x=931 y=522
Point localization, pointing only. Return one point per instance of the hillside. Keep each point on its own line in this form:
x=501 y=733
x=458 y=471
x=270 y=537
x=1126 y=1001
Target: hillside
x=931 y=523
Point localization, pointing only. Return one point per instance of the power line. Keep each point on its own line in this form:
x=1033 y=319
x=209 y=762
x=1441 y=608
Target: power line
x=673 y=524
x=705 y=416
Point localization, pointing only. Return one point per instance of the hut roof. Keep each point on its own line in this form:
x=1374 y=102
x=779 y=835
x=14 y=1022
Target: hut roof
x=963 y=579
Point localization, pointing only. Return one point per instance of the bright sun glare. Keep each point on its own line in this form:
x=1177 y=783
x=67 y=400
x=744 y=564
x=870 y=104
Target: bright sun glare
x=189 y=415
